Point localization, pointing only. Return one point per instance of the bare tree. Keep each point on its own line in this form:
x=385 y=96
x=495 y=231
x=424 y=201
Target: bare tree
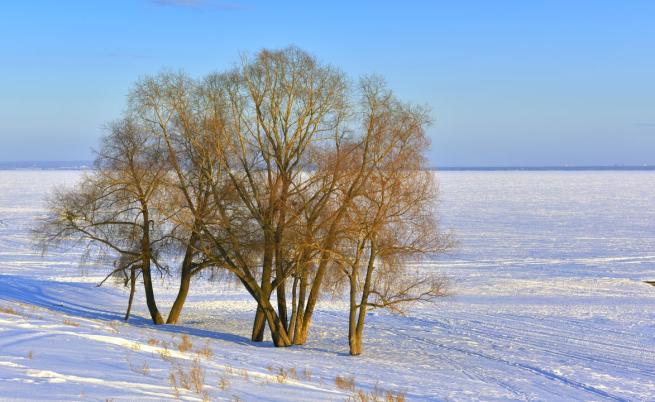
x=131 y=210
x=111 y=210
x=169 y=108
x=392 y=221
x=273 y=111
x=275 y=172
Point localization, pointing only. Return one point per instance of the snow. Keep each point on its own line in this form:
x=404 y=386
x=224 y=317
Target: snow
x=548 y=303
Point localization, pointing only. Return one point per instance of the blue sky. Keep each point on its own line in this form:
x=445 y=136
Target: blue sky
x=509 y=82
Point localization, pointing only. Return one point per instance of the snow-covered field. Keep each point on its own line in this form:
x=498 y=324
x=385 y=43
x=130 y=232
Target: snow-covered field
x=548 y=304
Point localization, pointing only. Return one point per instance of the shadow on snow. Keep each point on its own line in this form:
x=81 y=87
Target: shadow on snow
x=54 y=296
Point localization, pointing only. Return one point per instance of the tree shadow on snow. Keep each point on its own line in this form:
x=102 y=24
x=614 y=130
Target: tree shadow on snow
x=79 y=299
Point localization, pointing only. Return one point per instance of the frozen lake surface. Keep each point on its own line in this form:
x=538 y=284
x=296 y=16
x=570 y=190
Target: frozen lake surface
x=548 y=303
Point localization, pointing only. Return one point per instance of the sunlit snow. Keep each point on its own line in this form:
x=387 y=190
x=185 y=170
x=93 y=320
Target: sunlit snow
x=547 y=303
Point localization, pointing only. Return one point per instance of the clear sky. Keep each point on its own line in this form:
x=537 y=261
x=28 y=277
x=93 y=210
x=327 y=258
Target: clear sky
x=510 y=83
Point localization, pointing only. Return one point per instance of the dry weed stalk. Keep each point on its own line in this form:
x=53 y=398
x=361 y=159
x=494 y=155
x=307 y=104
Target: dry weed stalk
x=345 y=383
x=185 y=345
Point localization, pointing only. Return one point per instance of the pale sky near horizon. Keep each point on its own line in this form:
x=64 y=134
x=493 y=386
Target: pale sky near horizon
x=509 y=83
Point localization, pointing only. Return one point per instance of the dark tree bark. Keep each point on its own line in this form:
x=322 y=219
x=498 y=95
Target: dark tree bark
x=357 y=318
x=281 y=292
x=186 y=275
x=150 y=296
x=294 y=308
x=259 y=325
x=180 y=299
x=132 y=281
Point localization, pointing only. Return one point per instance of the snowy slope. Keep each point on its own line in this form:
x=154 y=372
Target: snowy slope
x=548 y=304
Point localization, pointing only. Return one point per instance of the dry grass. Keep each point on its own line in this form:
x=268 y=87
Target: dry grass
x=223 y=383
x=398 y=397
x=345 y=383
x=30 y=355
x=9 y=310
x=164 y=353
x=71 y=323
x=172 y=380
x=197 y=376
x=377 y=395
x=307 y=374
x=185 y=345
x=135 y=347
x=205 y=351
x=153 y=342
x=281 y=376
x=192 y=379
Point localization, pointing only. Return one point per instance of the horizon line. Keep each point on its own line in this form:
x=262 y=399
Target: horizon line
x=545 y=167
x=85 y=164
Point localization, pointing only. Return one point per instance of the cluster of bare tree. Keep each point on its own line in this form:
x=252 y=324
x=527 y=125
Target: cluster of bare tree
x=279 y=172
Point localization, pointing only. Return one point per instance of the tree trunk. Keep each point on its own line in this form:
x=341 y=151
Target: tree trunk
x=312 y=299
x=145 y=269
x=132 y=291
x=302 y=294
x=294 y=308
x=150 y=297
x=176 y=309
x=281 y=291
x=315 y=289
x=278 y=332
x=314 y=293
x=355 y=340
x=355 y=343
x=185 y=282
x=281 y=297
x=259 y=325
